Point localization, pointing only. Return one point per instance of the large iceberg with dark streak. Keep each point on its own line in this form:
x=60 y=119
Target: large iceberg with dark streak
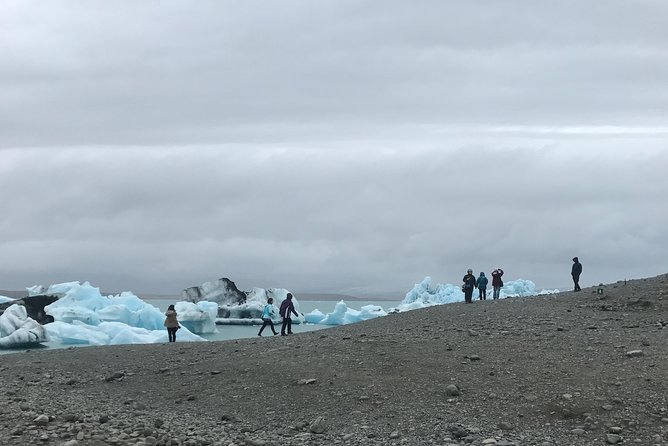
x=18 y=330
x=236 y=306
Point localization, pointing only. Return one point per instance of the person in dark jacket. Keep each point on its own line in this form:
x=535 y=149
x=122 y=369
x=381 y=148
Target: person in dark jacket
x=497 y=283
x=286 y=310
x=481 y=283
x=469 y=284
x=575 y=273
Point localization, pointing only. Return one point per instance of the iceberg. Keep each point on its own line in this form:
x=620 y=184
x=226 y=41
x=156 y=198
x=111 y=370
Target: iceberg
x=424 y=294
x=82 y=315
x=111 y=333
x=235 y=306
x=17 y=330
x=314 y=317
x=83 y=302
x=222 y=291
x=5 y=299
x=342 y=314
x=199 y=318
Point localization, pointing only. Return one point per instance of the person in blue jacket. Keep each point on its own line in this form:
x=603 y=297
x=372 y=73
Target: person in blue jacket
x=482 y=286
x=267 y=313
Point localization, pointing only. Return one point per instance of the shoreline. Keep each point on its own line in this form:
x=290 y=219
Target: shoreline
x=526 y=371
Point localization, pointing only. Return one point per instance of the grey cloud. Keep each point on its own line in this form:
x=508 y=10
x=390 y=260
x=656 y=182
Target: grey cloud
x=333 y=145
x=222 y=71
x=313 y=220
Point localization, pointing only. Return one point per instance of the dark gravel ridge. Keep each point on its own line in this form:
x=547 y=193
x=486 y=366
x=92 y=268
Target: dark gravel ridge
x=566 y=369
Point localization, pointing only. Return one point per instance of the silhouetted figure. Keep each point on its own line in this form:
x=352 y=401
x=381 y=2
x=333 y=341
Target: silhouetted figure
x=267 y=314
x=481 y=283
x=469 y=284
x=497 y=283
x=171 y=323
x=286 y=310
x=575 y=272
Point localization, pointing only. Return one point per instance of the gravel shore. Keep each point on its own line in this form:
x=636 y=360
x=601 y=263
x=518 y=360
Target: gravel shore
x=567 y=369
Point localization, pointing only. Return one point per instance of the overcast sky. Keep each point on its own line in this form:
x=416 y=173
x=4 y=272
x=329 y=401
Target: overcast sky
x=331 y=146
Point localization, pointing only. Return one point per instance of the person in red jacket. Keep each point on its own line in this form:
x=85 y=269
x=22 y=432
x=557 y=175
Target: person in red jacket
x=497 y=283
x=286 y=310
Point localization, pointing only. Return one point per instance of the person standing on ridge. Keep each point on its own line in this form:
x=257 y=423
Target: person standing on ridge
x=286 y=310
x=171 y=323
x=497 y=283
x=481 y=283
x=469 y=284
x=267 y=313
x=575 y=272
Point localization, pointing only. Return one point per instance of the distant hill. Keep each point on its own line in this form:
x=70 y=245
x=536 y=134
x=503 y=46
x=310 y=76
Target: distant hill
x=324 y=296
x=13 y=294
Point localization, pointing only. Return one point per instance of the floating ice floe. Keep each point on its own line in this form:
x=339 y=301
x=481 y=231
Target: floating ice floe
x=5 y=299
x=342 y=315
x=422 y=295
x=199 y=318
x=83 y=316
x=17 y=330
x=111 y=333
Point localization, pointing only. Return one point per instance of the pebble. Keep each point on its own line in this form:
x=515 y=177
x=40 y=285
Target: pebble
x=452 y=390
x=612 y=438
x=115 y=375
x=635 y=353
x=504 y=425
x=489 y=441
x=578 y=431
x=305 y=381
x=318 y=426
x=394 y=434
x=41 y=420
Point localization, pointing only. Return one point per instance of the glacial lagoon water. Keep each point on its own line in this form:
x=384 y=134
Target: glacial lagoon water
x=227 y=332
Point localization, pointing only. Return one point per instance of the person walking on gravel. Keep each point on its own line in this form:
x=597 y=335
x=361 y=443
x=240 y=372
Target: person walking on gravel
x=171 y=323
x=267 y=314
x=497 y=283
x=481 y=283
x=469 y=284
x=286 y=310
x=575 y=273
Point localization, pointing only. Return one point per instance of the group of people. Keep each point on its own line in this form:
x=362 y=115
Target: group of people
x=286 y=311
x=471 y=283
x=287 y=308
